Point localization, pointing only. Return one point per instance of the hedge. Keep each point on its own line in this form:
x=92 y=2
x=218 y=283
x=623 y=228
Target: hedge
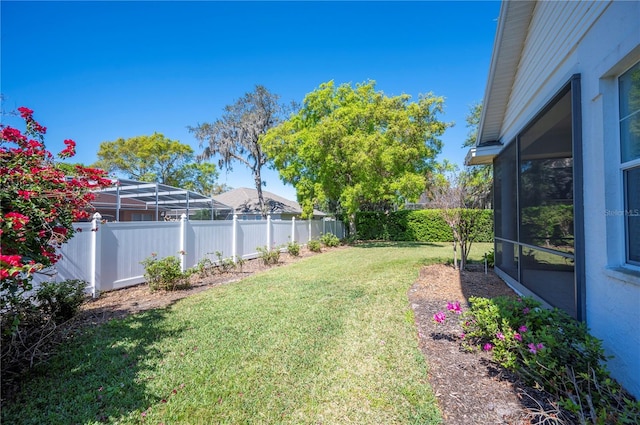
x=416 y=225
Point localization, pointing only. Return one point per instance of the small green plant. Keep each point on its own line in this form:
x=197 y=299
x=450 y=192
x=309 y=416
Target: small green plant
x=549 y=350
x=165 y=274
x=329 y=240
x=314 y=245
x=205 y=267
x=293 y=248
x=61 y=300
x=239 y=263
x=225 y=265
x=491 y=258
x=269 y=256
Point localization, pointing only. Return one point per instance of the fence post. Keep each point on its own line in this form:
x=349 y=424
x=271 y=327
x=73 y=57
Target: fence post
x=310 y=229
x=234 y=237
x=183 y=242
x=268 y=232
x=95 y=255
x=293 y=229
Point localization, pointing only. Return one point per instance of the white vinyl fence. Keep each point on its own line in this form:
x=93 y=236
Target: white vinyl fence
x=108 y=255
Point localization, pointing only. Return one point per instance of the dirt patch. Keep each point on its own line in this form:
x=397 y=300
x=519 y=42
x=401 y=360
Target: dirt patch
x=470 y=387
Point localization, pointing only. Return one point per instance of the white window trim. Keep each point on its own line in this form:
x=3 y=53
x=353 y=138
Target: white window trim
x=622 y=167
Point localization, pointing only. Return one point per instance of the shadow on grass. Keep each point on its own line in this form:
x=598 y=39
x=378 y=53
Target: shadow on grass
x=99 y=376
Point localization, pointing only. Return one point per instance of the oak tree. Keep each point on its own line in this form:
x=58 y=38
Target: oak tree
x=236 y=136
x=156 y=158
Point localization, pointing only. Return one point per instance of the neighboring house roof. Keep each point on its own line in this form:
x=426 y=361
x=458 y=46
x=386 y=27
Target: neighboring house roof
x=515 y=17
x=245 y=201
x=150 y=195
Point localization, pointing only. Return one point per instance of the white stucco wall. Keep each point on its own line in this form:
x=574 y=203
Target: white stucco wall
x=599 y=41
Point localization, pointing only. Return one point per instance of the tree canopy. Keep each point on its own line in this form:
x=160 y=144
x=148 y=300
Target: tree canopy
x=353 y=148
x=156 y=158
x=236 y=136
x=478 y=178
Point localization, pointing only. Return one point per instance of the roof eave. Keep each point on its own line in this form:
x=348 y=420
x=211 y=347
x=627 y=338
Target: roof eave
x=482 y=155
x=513 y=24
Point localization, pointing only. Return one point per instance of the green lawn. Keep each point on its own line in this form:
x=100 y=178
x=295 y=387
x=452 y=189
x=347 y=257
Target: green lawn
x=329 y=339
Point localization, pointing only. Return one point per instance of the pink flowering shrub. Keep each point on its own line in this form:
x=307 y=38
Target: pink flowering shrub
x=548 y=350
x=39 y=205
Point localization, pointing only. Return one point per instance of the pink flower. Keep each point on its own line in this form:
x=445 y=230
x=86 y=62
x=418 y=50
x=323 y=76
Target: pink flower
x=522 y=329
x=25 y=112
x=487 y=347
x=462 y=335
x=13 y=135
x=11 y=260
x=454 y=307
x=439 y=317
x=70 y=149
x=517 y=337
x=500 y=336
x=534 y=348
x=526 y=310
x=25 y=194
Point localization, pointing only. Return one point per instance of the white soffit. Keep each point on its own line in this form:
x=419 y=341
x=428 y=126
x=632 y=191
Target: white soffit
x=515 y=17
x=482 y=155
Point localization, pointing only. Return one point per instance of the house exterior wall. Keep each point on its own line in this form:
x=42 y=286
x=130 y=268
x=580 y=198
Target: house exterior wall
x=549 y=58
x=599 y=41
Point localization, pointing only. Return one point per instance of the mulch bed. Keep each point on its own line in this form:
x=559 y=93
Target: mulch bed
x=469 y=386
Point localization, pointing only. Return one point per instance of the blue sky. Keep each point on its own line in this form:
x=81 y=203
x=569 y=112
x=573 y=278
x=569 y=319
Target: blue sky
x=97 y=71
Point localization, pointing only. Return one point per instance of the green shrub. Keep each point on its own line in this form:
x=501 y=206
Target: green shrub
x=165 y=274
x=61 y=300
x=31 y=329
x=225 y=265
x=329 y=240
x=293 y=248
x=314 y=245
x=205 y=267
x=269 y=256
x=548 y=350
x=419 y=225
x=491 y=258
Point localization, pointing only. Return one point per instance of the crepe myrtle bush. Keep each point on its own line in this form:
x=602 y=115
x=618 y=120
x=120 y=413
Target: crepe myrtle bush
x=39 y=203
x=549 y=350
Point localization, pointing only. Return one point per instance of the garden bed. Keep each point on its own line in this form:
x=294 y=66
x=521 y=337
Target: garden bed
x=469 y=386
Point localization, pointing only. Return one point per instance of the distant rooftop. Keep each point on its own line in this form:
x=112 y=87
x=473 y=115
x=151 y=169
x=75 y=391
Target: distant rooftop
x=245 y=201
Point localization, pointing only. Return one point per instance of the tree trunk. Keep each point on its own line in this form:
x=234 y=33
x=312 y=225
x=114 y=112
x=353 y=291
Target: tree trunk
x=258 y=181
x=455 y=254
x=352 y=224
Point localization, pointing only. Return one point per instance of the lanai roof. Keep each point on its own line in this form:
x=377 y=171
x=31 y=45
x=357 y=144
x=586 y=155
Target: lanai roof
x=161 y=196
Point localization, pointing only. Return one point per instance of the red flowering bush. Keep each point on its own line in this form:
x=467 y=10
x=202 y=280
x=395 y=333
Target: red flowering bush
x=39 y=204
